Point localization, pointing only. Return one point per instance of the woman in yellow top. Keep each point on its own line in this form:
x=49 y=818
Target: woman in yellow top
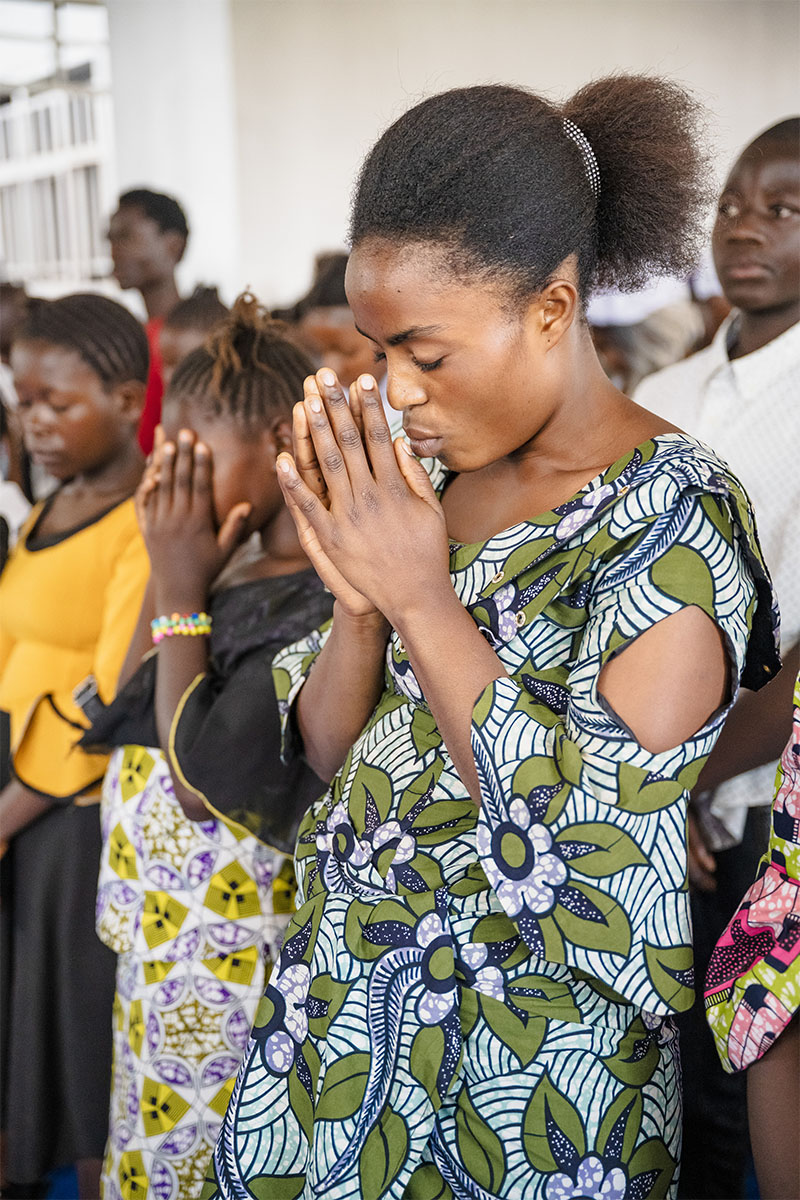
x=69 y=599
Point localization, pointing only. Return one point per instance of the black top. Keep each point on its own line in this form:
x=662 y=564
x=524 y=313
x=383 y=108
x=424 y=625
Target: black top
x=226 y=735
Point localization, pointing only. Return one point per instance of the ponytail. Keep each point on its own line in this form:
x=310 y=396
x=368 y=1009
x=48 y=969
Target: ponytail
x=504 y=182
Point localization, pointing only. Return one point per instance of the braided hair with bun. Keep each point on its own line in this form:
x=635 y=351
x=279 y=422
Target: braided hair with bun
x=248 y=369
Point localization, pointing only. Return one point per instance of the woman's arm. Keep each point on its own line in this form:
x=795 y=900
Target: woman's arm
x=382 y=528
x=346 y=680
x=20 y=807
x=664 y=686
x=342 y=689
x=175 y=514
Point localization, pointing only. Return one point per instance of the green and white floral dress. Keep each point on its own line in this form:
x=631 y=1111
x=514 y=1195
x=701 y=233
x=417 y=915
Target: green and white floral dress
x=476 y=1002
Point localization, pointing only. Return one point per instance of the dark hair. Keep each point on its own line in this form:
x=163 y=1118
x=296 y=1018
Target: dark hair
x=157 y=206
x=785 y=134
x=202 y=310
x=108 y=338
x=489 y=174
x=248 y=368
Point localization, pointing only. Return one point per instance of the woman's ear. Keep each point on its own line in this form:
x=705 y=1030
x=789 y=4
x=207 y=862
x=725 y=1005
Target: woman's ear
x=130 y=399
x=281 y=433
x=558 y=306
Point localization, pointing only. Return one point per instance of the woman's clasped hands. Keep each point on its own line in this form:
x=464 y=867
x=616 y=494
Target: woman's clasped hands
x=366 y=512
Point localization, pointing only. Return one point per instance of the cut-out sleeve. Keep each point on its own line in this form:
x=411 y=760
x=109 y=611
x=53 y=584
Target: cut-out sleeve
x=581 y=830
x=290 y=670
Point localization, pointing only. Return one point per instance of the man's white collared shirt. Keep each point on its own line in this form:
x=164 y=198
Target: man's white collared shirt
x=748 y=410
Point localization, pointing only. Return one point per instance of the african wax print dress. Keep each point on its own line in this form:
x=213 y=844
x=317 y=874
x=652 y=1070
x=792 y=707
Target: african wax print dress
x=476 y=1002
x=196 y=910
x=753 y=979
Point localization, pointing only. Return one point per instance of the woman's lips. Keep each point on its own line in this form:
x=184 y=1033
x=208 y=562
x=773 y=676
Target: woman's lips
x=424 y=445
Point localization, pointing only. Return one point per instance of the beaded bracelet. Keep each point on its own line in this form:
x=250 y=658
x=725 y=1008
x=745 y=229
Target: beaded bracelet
x=191 y=624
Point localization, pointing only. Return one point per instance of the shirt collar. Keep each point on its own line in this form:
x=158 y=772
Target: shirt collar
x=756 y=372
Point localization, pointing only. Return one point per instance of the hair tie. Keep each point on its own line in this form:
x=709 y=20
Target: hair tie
x=580 y=139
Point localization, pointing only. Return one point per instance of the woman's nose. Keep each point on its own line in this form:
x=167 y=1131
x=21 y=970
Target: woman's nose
x=404 y=391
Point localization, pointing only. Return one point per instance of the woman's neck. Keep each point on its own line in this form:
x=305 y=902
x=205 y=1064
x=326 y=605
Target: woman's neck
x=120 y=476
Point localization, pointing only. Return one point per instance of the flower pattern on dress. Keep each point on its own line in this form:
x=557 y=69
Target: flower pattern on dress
x=469 y=964
x=592 y=1181
x=188 y=983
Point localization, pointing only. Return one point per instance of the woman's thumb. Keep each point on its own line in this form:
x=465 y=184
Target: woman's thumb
x=414 y=473
x=233 y=528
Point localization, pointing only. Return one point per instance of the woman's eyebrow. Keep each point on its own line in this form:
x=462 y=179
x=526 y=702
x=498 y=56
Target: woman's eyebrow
x=416 y=331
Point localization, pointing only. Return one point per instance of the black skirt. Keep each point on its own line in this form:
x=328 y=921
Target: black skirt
x=59 y=982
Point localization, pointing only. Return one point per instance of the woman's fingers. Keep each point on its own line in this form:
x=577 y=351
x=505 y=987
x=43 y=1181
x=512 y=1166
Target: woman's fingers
x=336 y=439
x=356 y=410
x=415 y=474
x=233 y=528
x=305 y=456
x=201 y=493
x=182 y=481
x=377 y=437
x=163 y=481
x=308 y=533
x=307 y=508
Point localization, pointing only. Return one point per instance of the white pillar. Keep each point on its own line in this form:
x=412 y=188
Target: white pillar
x=175 y=122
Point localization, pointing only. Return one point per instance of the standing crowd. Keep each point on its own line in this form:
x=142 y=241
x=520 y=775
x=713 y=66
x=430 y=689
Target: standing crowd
x=393 y=813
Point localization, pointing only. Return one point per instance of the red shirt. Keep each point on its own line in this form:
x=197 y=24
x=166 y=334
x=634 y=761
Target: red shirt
x=151 y=413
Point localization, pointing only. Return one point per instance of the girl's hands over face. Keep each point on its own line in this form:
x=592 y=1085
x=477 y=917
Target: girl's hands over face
x=365 y=509
x=175 y=508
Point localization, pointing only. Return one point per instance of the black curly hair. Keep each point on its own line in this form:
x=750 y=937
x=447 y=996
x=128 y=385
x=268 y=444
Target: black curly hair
x=489 y=174
x=247 y=369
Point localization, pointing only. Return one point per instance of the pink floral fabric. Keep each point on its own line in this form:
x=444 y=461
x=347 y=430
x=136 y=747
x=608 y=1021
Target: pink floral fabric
x=753 y=980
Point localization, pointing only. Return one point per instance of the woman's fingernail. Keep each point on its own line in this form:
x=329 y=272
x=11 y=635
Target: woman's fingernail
x=315 y=404
x=328 y=378
x=285 y=466
x=367 y=383
x=406 y=444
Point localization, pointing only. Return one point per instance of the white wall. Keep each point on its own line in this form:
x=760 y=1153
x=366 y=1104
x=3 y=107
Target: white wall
x=308 y=84
x=172 y=84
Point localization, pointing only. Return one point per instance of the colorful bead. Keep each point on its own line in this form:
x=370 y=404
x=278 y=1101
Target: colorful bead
x=187 y=624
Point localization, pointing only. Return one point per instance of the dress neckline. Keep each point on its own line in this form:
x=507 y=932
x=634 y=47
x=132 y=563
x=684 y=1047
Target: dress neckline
x=549 y=518
x=32 y=543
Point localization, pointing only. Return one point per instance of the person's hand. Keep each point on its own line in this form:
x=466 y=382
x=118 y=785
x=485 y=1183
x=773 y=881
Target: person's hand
x=702 y=864
x=175 y=508
x=366 y=512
